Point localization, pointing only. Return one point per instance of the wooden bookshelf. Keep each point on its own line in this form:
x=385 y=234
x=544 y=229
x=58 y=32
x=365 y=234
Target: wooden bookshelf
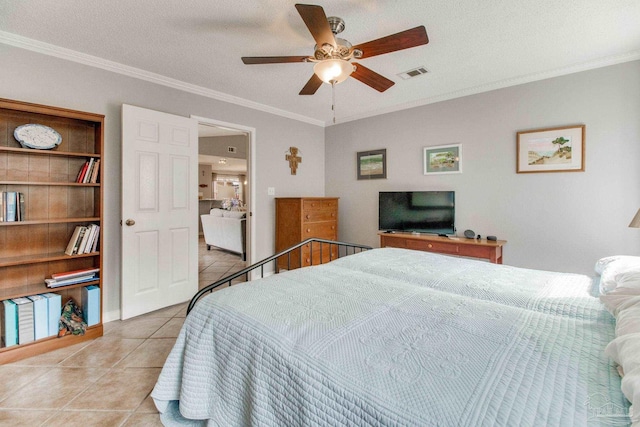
x=33 y=249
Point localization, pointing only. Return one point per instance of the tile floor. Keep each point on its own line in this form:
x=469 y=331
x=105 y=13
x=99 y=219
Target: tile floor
x=107 y=381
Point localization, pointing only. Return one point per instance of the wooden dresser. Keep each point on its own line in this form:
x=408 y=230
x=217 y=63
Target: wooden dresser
x=486 y=249
x=299 y=218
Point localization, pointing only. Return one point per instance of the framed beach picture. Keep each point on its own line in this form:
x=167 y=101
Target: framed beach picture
x=372 y=164
x=551 y=150
x=442 y=159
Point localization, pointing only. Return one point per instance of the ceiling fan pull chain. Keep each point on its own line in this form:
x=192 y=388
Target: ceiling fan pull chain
x=333 y=100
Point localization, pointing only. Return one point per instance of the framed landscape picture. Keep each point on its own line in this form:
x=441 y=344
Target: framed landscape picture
x=442 y=159
x=551 y=150
x=372 y=164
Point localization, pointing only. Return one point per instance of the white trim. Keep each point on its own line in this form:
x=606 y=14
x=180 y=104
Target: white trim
x=110 y=316
x=137 y=73
x=251 y=161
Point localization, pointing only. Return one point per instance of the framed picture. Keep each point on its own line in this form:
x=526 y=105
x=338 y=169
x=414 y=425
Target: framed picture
x=551 y=150
x=442 y=159
x=372 y=164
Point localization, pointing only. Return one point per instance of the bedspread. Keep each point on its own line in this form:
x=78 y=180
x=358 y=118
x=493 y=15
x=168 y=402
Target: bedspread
x=394 y=337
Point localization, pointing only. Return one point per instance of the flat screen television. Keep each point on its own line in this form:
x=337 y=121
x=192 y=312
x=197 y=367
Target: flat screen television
x=431 y=212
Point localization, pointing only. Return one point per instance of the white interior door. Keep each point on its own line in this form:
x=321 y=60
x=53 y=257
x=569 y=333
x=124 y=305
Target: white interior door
x=159 y=210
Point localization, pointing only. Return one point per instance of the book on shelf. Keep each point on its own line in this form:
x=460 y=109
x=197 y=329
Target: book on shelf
x=75 y=273
x=25 y=320
x=73 y=240
x=12 y=206
x=53 y=283
x=40 y=320
x=88 y=173
x=94 y=172
x=91 y=304
x=84 y=240
x=9 y=320
x=94 y=247
x=85 y=179
x=93 y=239
x=82 y=172
x=54 y=310
x=20 y=207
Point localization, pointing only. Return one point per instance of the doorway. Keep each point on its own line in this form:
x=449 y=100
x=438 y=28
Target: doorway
x=225 y=180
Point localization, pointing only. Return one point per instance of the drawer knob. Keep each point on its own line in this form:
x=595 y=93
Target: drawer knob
x=430 y=246
x=333 y=227
x=307 y=216
x=308 y=230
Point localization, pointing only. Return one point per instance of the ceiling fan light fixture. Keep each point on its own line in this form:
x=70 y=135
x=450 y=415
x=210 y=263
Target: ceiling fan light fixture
x=333 y=71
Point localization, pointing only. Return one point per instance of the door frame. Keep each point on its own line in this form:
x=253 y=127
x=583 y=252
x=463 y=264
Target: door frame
x=251 y=173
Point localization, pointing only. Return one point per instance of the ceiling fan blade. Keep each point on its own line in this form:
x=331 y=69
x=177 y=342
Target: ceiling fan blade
x=273 y=59
x=317 y=24
x=403 y=40
x=312 y=86
x=371 y=78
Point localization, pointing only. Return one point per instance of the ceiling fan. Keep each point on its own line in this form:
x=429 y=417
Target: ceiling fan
x=332 y=55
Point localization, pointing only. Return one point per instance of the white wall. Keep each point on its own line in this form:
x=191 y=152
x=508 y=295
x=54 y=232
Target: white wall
x=552 y=221
x=218 y=146
x=37 y=78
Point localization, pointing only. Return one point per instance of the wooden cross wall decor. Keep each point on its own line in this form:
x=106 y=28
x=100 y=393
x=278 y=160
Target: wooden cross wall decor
x=293 y=159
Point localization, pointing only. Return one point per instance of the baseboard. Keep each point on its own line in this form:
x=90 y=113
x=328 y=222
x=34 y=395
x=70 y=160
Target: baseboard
x=110 y=316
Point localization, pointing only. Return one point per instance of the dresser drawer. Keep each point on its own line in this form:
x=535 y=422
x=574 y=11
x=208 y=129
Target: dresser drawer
x=441 y=247
x=328 y=252
x=312 y=205
x=323 y=230
x=315 y=215
x=392 y=242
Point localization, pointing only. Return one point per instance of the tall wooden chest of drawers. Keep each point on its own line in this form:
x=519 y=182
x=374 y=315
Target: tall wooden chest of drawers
x=299 y=218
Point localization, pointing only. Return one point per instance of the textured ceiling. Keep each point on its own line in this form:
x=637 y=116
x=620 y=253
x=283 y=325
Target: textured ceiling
x=474 y=45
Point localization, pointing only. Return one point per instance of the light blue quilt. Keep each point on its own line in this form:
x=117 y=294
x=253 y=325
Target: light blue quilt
x=391 y=337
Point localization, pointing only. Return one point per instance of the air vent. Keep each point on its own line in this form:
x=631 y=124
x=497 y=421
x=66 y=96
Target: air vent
x=413 y=73
x=231 y=149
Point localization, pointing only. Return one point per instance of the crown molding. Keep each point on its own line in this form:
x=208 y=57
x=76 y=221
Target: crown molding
x=500 y=84
x=137 y=73
x=94 y=61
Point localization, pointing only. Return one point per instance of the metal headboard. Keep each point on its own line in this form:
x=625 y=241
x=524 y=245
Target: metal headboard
x=343 y=250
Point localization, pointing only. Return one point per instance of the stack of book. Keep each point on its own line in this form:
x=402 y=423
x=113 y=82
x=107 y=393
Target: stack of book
x=84 y=240
x=72 y=277
x=11 y=206
x=25 y=319
x=88 y=173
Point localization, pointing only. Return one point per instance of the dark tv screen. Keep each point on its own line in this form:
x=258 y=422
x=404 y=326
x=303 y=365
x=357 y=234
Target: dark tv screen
x=430 y=212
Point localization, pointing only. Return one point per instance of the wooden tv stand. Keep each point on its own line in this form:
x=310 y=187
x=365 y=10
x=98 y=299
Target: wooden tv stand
x=476 y=248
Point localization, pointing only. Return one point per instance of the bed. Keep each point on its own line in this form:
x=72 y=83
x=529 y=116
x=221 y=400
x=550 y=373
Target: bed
x=393 y=337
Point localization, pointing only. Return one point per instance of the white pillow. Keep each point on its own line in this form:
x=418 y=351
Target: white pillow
x=629 y=279
x=618 y=300
x=622 y=264
x=604 y=262
x=216 y=212
x=234 y=214
x=628 y=320
x=625 y=351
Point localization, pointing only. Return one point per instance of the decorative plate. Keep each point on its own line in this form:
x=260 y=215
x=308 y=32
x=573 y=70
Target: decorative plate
x=37 y=136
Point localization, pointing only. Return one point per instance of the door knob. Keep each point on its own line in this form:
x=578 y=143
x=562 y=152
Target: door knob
x=129 y=222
